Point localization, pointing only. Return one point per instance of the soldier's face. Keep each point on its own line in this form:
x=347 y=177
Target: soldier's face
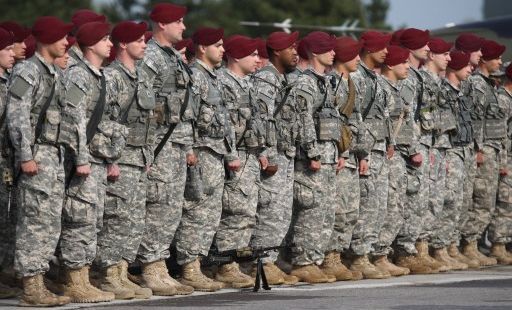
x=326 y=59
x=183 y=54
x=474 y=57
x=62 y=62
x=493 y=65
x=7 y=57
x=441 y=60
x=174 y=31
x=379 y=56
x=136 y=49
x=215 y=52
x=19 y=50
x=102 y=48
x=249 y=64
x=58 y=49
x=289 y=57
x=401 y=71
x=421 y=53
x=463 y=73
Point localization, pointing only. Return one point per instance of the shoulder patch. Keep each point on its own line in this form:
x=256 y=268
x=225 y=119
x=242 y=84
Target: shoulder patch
x=74 y=95
x=19 y=86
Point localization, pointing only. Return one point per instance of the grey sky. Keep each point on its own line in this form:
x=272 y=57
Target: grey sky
x=433 y=14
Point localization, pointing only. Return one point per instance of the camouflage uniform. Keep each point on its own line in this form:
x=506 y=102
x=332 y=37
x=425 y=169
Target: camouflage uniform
x=275 y=197
x=75 y=56
x=314 y=193
x=131 y=100
x=40 y=196
x=404 y=139
x=240 y=197
x=373 y=185
x=500 y=229
x=85 y=202
x=458 y=157
x=490 y=134
x=170 y=78
x=347 y=180
x=214 y=146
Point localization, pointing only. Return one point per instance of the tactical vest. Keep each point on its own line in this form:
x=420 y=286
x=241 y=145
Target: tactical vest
x=462 y=108
x=96 y=92
x=212 y=119
x=172 y=93
x=428 y=103
x=495 y=121
x=137 y=113
x=374 y=108
x=326 y=117
x=405 y=133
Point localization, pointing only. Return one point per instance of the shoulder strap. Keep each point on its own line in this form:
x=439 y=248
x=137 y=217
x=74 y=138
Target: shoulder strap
x=97 y=113
x=419 y=97
x=348 y=107
x=372 y=100
x=46 y=104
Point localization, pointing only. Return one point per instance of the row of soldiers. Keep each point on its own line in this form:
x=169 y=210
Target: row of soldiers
x=372 y=158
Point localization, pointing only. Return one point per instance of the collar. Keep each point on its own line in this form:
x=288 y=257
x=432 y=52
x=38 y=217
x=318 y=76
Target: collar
x=50 y=67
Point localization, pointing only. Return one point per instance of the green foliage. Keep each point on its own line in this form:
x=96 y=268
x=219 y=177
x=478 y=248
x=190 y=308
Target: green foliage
x=26 y=12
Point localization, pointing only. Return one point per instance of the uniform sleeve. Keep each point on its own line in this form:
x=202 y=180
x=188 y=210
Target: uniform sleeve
x=304 y=106
x=266 y=93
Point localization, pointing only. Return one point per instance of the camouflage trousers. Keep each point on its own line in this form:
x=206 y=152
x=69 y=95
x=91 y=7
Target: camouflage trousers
x=165 y=202
x=500 y=230
x=201 y=218
x=484 y=196
x=396 y=204
x=313 y=212
x=82 y=217
x=347 y=209
x=239 y=204
x=467 y=200
x=416 y=204
x=373 y=204
x=275 y=202
x=40 y=199
x=433 y=220
x=7 y=223
x=453 y=199
x=123 y=220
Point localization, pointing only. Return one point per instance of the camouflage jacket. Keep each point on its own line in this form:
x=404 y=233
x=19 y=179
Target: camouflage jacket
x=411 y=90
x=75 y=56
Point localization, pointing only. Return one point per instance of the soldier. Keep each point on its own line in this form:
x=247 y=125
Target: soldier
x=91 y=142
x=470 y=44
x=79 y=18
x=374 y=182
x=170 y=79
x=405 y=141
x=20 y=34
x=317 y=162
x=500 y=227
x=490 y=128
x=263 y=53
x=459 y=156
x=346 y=60
x=62 y=62
x=32 y=99
x=186 y=48
x=214 y=148
x=131 y=101
x=276 y=158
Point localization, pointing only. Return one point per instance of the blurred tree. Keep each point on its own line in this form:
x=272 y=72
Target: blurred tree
x=376 y=12
x=26 y=12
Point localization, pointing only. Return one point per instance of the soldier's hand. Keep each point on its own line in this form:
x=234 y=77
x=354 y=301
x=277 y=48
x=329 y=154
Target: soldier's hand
x=83 y=170
x=390 y=151
x=479 y=158
x=263 y=162
x=29 y=167
x=340 y=165
x=503 y=172
x=315 y=165
x=113 y=172
x=363 y=167
x=191 y=159
x=234 y=165
x=417 y=160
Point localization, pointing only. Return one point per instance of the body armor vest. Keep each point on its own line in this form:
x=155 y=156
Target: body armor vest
x=374 y=108
x=495 y=122
x=462 y=108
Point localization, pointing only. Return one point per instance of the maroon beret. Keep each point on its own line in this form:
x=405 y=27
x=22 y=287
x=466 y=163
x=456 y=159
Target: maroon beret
x=30 y=42
x=320 y=42
x=71 y=42
x=458 y=60
x=280 y=40
x=395 y=37
x=91 y=33
x=128 y=31
x=50 y=29
x=230 y=38
x=6 y=38
x=148 y=35
x=167 y=12
x=302 y=49
x=396 y=55
x=184 y=43
x=413 y=38
x=20 y=33
x=491 y=49
x=262 y=48
x=468 y=42
x=241 y=46
x=207 y=36
x=439 y=46
x=374 y=41
x=346 y=49
x=84 y=16
x=508 y=71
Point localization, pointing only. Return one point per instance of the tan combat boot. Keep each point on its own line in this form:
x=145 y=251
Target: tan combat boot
x=454 y=252
x=192 y=276
x=181 y=289
x=274 y=275
x=152 y=278
x=471 y=251
x=140 y=292
x=35 y=294
x=369 y=271
x=441 y=255
x=383 y=263
x=414 y=264
x=332 y=266
x=7 y=291
x=499 y=251
x=77 y=287
x=233 y=277
x=424 y=258
x=309 y=273
x=111 y=282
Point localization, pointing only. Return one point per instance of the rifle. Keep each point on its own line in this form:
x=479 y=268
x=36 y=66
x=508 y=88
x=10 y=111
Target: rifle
x=247 y=254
